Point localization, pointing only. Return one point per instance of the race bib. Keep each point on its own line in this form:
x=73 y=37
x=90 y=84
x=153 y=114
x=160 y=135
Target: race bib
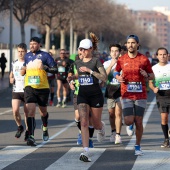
x=164 y=85
x=61 y=69
x=33 y=80
x=134 y=87
x=85 y=81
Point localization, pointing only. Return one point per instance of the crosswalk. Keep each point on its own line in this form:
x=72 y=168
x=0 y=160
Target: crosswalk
x=152 y=159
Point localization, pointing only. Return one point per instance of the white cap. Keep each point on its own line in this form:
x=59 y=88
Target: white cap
x=86 y=44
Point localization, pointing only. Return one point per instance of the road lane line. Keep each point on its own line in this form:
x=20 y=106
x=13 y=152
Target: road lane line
x=153 y=159
x=70 y=160
x=7 y=111
x=11 y=154
x=148 y=112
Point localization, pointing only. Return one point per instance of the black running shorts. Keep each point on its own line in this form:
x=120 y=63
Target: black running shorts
x=39 y=96
x=18 y=95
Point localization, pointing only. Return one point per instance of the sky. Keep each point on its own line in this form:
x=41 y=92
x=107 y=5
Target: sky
x=143 y=4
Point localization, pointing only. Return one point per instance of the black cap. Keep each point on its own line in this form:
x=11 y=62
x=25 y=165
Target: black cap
x=36 y=39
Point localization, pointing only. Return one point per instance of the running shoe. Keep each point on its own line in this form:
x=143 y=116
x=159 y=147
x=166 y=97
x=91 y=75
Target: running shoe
x=64 y=104
x=112 y=137
x=101 y=133
x=85 y=157
x=165 y=144
x=31 y=141
x=51 y=103
x=118 y=139
x=26 y=135
x=91 y=145
x=169 y=133
x=58 y=104
x=79 y=139
x=45 y=135
x=130 y=130
x=20 y=130
x=138 y=151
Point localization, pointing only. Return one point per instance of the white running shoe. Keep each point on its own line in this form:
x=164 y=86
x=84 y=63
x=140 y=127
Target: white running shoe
x=169 y=133
x=118 y=139
x=101 y=133
x=112 y=137
x=130 y=130
x=138 y=151
x=85 y=156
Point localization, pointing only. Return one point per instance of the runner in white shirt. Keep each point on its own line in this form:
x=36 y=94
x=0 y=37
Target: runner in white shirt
x=161 y=87
x=113 y=95
x=18 y=90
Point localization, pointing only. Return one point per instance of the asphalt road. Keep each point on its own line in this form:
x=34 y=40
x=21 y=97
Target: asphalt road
x=61 y=151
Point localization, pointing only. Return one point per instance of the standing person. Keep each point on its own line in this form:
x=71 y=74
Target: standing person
x=18 y=90
x=51 y=81
x=36 y=63
x=63 y=67
x=136 y=68
x=161 y=87
x=3 y=61
x=113 y=95
x=90 y=97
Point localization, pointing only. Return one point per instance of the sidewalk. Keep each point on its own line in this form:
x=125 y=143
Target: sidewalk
x=4 y=84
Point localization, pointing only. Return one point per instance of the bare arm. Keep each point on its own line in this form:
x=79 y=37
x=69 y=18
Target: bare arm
x=11 y=78
x=151 y=85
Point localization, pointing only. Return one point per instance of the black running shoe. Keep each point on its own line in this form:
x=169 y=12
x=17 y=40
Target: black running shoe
x=45 y=135
x=165 y=144
x=19 y=131
x=26 y=135
x=31 y=141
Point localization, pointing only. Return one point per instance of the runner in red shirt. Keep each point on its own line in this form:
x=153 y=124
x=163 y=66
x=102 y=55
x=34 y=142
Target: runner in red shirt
x=136 y=69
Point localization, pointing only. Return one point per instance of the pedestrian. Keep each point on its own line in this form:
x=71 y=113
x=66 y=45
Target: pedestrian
x=63 y=66
x=36 y=65
x=18 y=91
x=136 y=68
x=161 y=87
x=90 y=97
x=113 y=95
x=3 y=62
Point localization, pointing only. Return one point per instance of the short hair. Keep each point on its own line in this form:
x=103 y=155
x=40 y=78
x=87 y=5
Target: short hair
x=23 y=46
x=161 y=48
x=35 y=39
x=115 y=45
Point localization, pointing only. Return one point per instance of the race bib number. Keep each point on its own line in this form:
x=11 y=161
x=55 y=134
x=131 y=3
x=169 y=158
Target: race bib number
x=61 y=69
x=33 y=80
x=165 y=85
x=85 y=81
x=134 y=87
x=114 y=81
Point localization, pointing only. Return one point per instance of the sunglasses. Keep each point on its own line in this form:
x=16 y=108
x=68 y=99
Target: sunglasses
x=82 y=49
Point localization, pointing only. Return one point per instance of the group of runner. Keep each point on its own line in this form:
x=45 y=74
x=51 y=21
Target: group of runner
x=125 y=77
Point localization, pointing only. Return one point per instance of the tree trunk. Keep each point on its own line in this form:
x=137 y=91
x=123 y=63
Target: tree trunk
x=71 y=36
x=62 y=39
x=75 y=43
x=47 y=38
x=22 y=26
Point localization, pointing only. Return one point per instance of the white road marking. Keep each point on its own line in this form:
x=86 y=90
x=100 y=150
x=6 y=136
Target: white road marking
x=7 y=111
x=153 y=160
x=11 y=154
x=70 y=160
x=148 y=112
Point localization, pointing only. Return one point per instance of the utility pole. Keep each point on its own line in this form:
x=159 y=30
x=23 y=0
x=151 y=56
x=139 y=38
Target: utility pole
x=71 y=36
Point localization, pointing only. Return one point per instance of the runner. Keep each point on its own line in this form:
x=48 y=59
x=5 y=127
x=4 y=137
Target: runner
x=90 y=96
x=161 y=87
x=113 y=95
x=63 y=67
x=18 y=90
x=36 y=64
x=136 y=68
